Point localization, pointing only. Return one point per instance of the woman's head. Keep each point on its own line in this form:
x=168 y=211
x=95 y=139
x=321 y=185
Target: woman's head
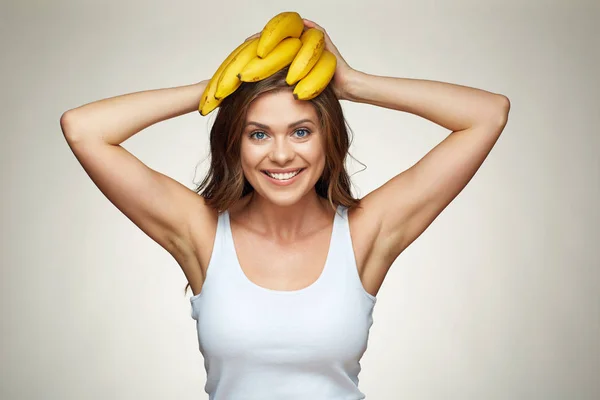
x=255 y=136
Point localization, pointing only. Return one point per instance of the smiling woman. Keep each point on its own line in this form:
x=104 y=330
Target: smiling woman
x=283 y=262
x=240 y=154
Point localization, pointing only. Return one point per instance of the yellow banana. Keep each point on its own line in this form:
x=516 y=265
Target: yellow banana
x=228 y=81
x=281 y=56
x=283 y=25
x=317 y=79
x=208 y=102
x=313 y=44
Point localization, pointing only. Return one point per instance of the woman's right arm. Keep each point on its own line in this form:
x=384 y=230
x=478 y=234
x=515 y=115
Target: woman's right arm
x=164 y=209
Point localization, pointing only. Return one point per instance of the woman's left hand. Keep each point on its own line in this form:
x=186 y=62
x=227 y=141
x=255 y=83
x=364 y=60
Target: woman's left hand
x=341 y=77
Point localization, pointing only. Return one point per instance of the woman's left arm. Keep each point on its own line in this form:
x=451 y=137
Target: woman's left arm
x=408 y=203
x=452 y=106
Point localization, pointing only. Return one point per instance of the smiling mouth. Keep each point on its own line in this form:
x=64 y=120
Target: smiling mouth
x=283 y=176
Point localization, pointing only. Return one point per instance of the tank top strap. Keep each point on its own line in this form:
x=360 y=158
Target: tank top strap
x=345 y=249
x=219 y=252
x=221 y=235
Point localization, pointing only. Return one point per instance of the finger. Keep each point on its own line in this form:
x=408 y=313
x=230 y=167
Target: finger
x=253 y=36
x=311 y=23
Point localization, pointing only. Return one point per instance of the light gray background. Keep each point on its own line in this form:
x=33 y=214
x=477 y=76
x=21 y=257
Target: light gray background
x=498 y=299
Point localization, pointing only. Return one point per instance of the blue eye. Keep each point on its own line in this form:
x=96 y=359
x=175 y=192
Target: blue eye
x=303 y=130
x=258 y=135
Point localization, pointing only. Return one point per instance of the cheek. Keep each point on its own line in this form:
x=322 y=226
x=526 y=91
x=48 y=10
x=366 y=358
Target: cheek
x=250 y=158
x=316 y=155
x=250 y=155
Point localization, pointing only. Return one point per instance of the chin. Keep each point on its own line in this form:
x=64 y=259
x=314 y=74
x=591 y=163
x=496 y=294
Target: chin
x=283 y=199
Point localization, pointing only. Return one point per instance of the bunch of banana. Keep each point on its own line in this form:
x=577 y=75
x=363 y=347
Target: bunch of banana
x=281 y=43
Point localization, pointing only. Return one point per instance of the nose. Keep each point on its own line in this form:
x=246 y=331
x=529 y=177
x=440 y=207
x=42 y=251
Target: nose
x=282 y=152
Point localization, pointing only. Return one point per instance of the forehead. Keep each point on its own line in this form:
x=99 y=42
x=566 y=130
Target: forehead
x=278 y=109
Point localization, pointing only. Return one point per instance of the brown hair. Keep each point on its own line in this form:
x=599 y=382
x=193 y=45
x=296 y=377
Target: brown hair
x=225 y=182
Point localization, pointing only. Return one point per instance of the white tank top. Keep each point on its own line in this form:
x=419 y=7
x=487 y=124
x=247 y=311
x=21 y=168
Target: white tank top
x=262 y=344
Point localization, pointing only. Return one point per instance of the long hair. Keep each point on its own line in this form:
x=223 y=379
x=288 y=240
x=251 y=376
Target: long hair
x=225 y=182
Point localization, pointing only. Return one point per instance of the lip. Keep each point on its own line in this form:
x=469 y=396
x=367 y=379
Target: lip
x=282 y=183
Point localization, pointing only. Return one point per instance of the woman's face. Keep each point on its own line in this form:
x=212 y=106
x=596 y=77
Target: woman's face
x=282 y=147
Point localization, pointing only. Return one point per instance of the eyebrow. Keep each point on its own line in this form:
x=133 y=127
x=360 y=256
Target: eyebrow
x=263 y=126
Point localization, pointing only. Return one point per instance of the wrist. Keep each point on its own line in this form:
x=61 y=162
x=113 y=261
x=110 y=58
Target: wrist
x=352 y=85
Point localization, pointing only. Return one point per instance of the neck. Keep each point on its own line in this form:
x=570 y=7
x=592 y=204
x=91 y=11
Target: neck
x=287 y=222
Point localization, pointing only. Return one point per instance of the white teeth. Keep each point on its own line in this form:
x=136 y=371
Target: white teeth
x=283 y=177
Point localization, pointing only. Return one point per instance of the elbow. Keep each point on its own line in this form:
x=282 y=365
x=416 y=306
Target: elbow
x=500 y=110
x=504 y=109
x=65 y=121
x=67 y=125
